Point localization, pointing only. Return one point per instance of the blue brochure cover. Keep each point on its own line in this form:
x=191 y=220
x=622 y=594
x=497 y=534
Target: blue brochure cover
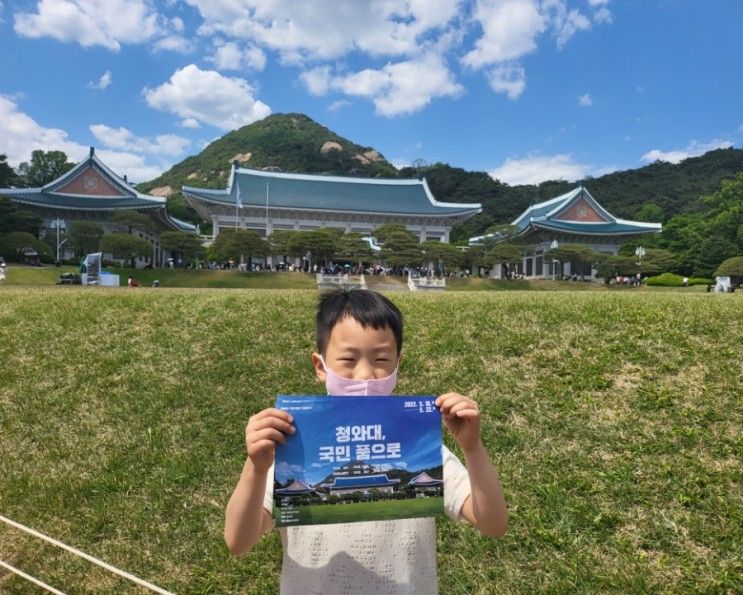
x=356 y=459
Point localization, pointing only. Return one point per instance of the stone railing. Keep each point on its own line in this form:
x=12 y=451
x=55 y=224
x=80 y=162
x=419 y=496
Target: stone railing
x=325 y=281
x=425 y=283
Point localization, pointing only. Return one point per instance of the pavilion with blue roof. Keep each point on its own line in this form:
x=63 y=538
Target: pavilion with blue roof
x=90 y=191
x=361 y=483
x=266 y=201
x=575 y=217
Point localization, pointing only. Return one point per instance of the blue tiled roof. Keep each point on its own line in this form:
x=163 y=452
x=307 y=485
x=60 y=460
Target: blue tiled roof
x=331 y=193
x=608 y=228
x=35 y=197
x=362 y=481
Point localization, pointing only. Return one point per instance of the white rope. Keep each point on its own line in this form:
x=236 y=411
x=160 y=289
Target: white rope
x=88 y=557
x=28 y=577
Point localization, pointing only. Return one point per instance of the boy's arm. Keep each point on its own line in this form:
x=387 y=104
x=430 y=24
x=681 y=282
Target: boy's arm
x=485 y=508
x=245 y=518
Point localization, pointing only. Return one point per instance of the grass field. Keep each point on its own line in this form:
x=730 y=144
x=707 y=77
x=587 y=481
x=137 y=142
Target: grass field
x=30 y=276
x=364 y=511
x=614 y=419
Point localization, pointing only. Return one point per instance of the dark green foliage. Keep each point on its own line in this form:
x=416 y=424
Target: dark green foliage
x=352 y=247
x=178 y=207
x=402 y=249
x=125 y=246
x=84 y=237
x=44 y=167
x=236 y=244
x=130 y=220
x=383 y=231
x=14 y=246
x=673 y=189
x=450 y=257
x=8 y=177
x=289 y=142
x=666 y=280
x=13 y=218
x=732 y=267
x=187 y=244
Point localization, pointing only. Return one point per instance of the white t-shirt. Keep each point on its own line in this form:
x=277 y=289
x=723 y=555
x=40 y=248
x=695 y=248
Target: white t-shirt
x=385 y=557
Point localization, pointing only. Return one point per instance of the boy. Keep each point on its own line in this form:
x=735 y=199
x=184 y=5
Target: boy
x=359 y=344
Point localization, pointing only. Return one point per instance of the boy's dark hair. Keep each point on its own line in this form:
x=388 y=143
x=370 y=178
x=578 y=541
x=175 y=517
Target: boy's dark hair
x=366 y=307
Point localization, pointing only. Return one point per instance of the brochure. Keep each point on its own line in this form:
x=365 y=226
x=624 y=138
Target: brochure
x=355 y=459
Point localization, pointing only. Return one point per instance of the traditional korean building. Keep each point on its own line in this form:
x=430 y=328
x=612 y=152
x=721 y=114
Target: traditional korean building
x=572 y=218
x=425 y=485
x=90 y=191
x=296 y=488
x=361 y=483
x=265 y=201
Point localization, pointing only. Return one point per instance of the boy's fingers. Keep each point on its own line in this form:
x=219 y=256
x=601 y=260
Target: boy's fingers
x=468 y=413
x=267 y=434
x=273 y=412
x=463 y=405
x=271 y=422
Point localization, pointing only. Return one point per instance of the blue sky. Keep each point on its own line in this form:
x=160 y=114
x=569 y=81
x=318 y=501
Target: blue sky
x=526 y=90
x=419 y=434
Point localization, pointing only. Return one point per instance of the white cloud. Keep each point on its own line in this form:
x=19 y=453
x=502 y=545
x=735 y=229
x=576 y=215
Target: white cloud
x=603 y=15
x=21 y=135
x=338 y=105
x=327 y=29
x=539 y=168
x=397 y=88
x=107 y=23
x=563 y=22
x=102 y=83
x=317 y=80
x=174 y=43
x=693 y=149
x=207 y=97
x=133 y=166
x=509 y=31
x=177 y=24
x=230 y=56
x=585 y=100
x=125 y=140
x=508 y=79
x=190 y=123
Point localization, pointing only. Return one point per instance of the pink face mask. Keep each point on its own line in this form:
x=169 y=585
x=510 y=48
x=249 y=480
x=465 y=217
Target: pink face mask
x=339 y=386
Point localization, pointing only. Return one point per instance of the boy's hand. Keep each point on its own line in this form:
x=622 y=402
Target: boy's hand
x=462 y=416
x=263 y=431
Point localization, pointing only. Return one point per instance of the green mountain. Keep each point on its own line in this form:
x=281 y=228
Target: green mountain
x=673 y=189
x=287 y=142
x=296 y=143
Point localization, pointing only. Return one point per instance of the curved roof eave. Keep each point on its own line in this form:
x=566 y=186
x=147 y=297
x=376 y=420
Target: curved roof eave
x=538 y=225
x=49 y=205
x=195 y=193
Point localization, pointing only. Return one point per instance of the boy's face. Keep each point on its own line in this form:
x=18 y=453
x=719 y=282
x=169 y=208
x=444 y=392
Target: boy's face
x=358 y=353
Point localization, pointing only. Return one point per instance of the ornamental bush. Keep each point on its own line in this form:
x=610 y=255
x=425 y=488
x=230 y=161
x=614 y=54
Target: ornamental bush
x=666 y=280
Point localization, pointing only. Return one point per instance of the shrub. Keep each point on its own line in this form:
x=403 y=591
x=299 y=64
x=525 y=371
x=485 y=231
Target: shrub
x=700 y=281
x=666 y=280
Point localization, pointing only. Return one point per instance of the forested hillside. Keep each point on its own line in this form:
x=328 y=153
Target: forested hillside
x=655 y=192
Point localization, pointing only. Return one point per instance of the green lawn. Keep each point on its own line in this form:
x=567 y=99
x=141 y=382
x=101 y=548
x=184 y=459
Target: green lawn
x=19 y=275
x=614 y=419
x=368 y=511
